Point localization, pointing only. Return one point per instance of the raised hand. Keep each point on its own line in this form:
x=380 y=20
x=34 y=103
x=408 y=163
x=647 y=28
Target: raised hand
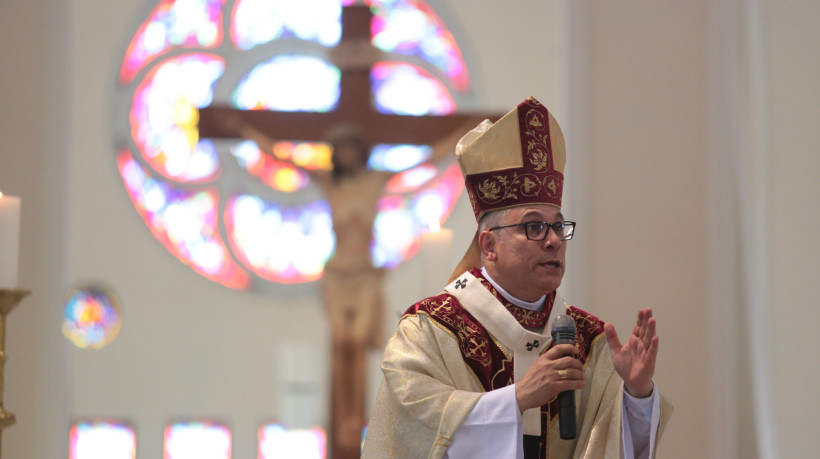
x=635 y=360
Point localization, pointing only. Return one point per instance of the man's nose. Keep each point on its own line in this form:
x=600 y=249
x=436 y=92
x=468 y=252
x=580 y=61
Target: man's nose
x=552 y=240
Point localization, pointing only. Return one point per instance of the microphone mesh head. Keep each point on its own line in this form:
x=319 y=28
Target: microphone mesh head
x=563 y=330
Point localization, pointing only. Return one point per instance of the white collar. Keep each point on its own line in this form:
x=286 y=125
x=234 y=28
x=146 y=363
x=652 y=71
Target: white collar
x=536 y=305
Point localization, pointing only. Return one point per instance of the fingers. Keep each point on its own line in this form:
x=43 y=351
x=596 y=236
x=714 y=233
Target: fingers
x=647 y=328
x=640 y=324
x=643 y=333
x=550 y=376
x=561 y=350
x=612 y=337
x=569 y=374
x=653 y=350
x=650 y=328
x=563 y=367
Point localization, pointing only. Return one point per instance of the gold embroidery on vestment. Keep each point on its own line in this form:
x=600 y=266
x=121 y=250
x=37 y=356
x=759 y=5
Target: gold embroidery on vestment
x=446 y=330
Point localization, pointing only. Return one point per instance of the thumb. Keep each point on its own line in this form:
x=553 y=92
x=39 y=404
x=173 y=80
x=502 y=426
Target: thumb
x=612 y=337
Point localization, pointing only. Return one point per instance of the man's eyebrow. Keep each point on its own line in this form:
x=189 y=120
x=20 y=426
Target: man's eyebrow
x=558 y=217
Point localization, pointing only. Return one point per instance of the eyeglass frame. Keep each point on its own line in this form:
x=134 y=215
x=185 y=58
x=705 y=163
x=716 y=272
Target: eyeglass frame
x=550 y=226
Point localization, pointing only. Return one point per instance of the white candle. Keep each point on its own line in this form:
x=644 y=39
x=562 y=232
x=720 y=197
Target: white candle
x=434 y=254
x=9 y=240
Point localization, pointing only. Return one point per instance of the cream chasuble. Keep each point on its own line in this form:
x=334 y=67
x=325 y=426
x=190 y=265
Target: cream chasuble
x=525 y=345
x=429 y=388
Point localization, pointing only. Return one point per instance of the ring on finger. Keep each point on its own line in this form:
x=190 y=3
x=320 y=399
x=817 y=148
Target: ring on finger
x=562 y=374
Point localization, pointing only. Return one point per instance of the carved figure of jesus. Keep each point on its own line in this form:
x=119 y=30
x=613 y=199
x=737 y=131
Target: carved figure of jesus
x=351 y=287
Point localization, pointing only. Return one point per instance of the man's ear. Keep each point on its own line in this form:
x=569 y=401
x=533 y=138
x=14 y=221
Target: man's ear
x=488 y=244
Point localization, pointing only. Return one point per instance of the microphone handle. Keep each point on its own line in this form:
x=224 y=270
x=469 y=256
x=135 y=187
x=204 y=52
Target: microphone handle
x=565 y=334
x=566 y=403
x=566 y=414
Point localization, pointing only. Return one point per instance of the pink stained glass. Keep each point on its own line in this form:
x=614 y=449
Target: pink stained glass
x=197 y=439
x=257 y=22
x=277 y=442
x=407 y=89
x=411 y=179
x=284 y=245
x=279 y=175
x=101 y=438
x=412 y=28
x=184 y=221
x=164 y=117
x=170 y=155
x=194 y=24
x=402 y=217
x=304 y=83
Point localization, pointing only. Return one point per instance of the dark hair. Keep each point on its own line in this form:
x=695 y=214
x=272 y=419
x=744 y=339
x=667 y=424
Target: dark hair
x=347 y=136
x=492 y=218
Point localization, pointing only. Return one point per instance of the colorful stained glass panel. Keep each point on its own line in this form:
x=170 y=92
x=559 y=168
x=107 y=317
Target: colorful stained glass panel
x=256 y=22
x=406 y=89
x=173 y=24
x=185 y=221
x=164 y=117
x=92 y=317
x=280 y=244
x=197 y=440
x=277 y=59
x=412 y=28
x=289 y=83
x=102 y=440
x=276 y=442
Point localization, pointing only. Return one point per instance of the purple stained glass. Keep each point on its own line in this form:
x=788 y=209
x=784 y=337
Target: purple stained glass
x=190 y=191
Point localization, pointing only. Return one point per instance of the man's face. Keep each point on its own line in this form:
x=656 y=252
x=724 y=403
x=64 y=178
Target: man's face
x=524 y=268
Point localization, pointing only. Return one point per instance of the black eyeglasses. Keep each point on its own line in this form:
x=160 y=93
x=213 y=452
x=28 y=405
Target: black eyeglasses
x=538 y=231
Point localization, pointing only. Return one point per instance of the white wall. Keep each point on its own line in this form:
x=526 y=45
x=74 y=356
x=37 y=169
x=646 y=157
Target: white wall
x=645 y=190
x=636 y=97
x=790 y=98
x=32 y=125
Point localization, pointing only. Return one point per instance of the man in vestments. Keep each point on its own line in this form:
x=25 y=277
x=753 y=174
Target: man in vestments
x=473 y=372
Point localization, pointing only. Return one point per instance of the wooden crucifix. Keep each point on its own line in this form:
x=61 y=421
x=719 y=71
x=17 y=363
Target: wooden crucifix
x=350 y=286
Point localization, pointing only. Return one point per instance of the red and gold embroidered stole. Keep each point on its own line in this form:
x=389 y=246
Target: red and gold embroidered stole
x=492 y=367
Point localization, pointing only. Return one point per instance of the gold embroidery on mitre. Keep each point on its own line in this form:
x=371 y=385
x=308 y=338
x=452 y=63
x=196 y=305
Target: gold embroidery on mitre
x=552 y=186
x=490 y=189
x=537 y=147
x=510 y=193
x=529 y=185
x=539 y=158
x=471 y=195
x=499 y=187
x=536 y=120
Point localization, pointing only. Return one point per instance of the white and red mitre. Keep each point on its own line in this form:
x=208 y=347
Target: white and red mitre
x=517 y=161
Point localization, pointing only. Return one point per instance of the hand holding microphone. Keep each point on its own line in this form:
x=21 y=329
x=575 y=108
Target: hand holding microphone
x=555 y=372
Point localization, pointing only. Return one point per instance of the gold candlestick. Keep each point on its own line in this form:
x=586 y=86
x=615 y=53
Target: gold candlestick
x=9 y=298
